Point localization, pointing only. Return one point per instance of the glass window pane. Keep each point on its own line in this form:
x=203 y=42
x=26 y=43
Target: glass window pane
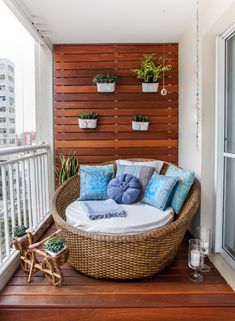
x=230 y=96
x=229 y=207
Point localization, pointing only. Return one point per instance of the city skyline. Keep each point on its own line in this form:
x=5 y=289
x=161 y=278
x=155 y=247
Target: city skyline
x=18 y=46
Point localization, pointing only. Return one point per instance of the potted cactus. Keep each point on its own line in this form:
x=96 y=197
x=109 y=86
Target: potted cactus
x=105 y=82
x=88 y=120
x=150 y=72
x=140 y=122
x=55 y=246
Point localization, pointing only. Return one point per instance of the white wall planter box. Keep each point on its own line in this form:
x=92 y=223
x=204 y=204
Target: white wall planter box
x=139 y=125
x=106 y=87
x=150 y=87
x=56 y=254
x=87 y=123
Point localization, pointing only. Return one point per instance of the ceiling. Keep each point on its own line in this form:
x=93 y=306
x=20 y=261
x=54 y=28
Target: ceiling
x=111 y=21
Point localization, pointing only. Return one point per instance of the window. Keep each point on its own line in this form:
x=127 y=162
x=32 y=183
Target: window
x=3 y=141
x=12 y=130
x=12 y=120
x=11 y=101
x=11 y=89
x=2 y=77
x=2 y=109
x=3 y=130
x=2 y=98
x=2 y=119
x=11 y=110
x=11 y=79
x=2 y=87
x=10 y=68
x=12 y=141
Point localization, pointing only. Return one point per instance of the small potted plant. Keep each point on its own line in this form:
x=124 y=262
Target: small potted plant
x=140 y=122
x=55 y=246
x=105 y=82
x=150 y=72
x=88 y=120
x=20 y=237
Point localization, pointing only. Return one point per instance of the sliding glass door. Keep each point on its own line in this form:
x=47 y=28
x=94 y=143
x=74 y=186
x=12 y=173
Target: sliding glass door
x=225 y=169
x=229 y=149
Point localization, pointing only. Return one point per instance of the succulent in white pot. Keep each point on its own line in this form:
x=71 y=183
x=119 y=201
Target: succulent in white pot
x=150 y=72
x=88 y=120
x=140 y=122
x=105 y=82
x=55 y=246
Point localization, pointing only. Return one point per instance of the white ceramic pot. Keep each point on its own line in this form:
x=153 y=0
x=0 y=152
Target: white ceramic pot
x=87 y=123
x=139 y=125
x=150 y=87
x=106 y=87
x=56 y=254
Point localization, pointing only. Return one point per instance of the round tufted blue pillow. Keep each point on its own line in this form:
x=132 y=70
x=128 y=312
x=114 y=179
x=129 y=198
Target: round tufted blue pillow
x=124 y=189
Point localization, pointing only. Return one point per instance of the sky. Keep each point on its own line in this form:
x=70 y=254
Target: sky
x=18 y=45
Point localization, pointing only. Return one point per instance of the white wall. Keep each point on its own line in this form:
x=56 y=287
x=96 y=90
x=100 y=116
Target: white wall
x=215 y=17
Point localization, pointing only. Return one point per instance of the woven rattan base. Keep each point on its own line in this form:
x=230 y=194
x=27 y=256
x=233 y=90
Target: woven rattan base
x=122 y=257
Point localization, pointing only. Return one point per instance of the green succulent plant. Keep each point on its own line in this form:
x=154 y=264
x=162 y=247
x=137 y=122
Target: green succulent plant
x=151 y=68
x=19 y=231
x=91 y=115
x=68 y=168
x=55 y=244
x=141 y=118
x=105 y=78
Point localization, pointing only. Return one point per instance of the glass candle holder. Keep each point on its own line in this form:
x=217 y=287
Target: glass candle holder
x=205 y=238
x=194 y=259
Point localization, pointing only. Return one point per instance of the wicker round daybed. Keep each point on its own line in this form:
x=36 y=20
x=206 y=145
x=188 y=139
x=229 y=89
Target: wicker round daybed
x=122 y=257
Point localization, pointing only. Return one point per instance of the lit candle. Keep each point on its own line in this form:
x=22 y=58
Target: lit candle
x=205 y=247
x=195 y=258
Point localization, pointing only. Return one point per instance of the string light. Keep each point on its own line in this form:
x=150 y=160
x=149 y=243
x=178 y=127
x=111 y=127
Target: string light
x=197 y=75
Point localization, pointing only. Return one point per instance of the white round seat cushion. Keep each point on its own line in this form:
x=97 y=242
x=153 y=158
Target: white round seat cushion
x=140 y=218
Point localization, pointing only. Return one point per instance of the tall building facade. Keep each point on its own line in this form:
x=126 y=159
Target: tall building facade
x=7 y=103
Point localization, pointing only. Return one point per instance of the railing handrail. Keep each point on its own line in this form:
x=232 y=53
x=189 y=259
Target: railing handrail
x=22 y=149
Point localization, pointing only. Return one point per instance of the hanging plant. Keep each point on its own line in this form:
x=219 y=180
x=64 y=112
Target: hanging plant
x=140 y=122
x=150 y=72
x=105 y=82
x=88 y=120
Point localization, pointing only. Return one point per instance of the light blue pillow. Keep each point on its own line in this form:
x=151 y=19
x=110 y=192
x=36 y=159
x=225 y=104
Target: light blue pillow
x=186 y=179
x=160 y=191
x=94 y=182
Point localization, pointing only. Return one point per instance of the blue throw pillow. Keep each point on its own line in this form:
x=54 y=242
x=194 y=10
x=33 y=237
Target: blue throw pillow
x=124 y=189
x=94 y=182
x=186 y=179
x=143 y=173
x=160 y=191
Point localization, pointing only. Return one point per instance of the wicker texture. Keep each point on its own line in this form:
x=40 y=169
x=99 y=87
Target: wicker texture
x=122 y=257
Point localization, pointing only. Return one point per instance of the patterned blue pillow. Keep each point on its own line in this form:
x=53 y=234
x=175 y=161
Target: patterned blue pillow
x=143 y=173
x=94 y=182
x=186 y=179
x=160 y=191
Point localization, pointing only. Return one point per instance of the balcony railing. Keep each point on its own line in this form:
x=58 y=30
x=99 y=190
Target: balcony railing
x=24 y=192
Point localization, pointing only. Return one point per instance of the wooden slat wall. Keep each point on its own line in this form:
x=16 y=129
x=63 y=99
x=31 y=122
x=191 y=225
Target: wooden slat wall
x=74 y=68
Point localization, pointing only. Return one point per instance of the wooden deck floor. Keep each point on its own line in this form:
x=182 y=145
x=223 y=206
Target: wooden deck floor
x=168 y=296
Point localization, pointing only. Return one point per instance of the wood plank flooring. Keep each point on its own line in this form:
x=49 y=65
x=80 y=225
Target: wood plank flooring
x=167 y=296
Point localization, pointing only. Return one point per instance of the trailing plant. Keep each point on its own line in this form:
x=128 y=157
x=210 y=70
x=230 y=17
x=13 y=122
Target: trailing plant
x=141 y=118
x=151 y=68
x=105 y=78
x=91 y=115
x=19 y=231
x=68 y=168
x=55 y=244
